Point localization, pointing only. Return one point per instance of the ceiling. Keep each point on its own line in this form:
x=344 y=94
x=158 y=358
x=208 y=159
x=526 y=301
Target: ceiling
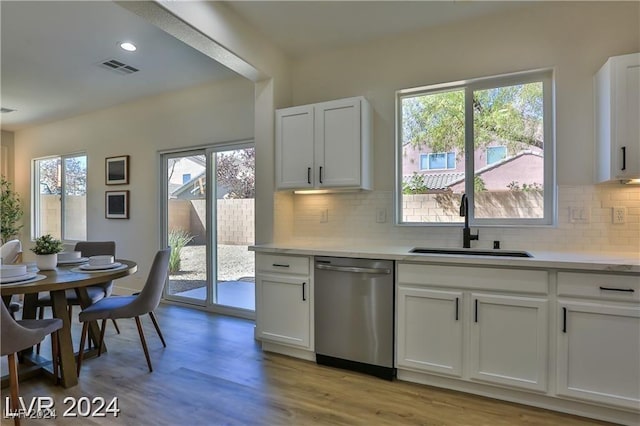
x=51 y=51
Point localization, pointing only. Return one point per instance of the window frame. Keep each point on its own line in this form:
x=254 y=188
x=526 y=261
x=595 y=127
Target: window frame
x=35 y=192
x=547 y=78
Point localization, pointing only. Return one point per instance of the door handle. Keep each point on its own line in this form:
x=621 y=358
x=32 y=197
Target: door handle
x=475 y=314
x=320 y=174
x=309 y=175
x=304 y=297
x=354 y=269
x=624 y=157
x=457 y=301
x=564 y=320
x=626 y=290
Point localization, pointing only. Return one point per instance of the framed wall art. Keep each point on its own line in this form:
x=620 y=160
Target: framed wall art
x=117 y=170
x=116 y=204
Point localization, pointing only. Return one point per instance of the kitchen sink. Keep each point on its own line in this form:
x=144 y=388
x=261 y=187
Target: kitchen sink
x=470 y=252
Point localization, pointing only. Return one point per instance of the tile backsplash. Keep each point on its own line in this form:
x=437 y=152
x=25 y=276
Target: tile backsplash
x=355 y=218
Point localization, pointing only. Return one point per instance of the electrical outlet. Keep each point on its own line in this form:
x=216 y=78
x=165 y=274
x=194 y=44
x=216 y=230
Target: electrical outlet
x=381 y=215
x=324 y=215
x=619 y=215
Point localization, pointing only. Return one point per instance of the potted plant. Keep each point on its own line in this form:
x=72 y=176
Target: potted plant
x=46 y=250
x=10 y=211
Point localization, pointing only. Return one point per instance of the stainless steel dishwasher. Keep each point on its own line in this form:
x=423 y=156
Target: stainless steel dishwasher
x=354 y=318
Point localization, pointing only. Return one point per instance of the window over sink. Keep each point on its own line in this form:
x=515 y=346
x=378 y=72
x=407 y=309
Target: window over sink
x=490 y=138
x=59 y=197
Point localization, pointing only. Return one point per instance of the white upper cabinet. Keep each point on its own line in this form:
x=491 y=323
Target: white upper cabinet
x=617 y=121
x=325 y=145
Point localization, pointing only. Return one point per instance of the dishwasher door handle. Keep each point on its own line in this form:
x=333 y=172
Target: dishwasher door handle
x=354 y=269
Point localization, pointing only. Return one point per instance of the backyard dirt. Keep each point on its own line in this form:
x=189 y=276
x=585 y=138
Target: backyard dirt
x=235 y=263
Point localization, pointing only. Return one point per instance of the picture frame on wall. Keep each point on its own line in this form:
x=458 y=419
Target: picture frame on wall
x=117 y=170
x=116 y=204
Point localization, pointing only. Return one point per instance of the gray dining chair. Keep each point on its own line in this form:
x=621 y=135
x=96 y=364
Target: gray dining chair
x=11 y=252
x=19 y=335
x=97 y=292
x=116 y=307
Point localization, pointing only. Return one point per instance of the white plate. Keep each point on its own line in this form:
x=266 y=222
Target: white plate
x=25 y=277
x=99 y=267
x=73 y=261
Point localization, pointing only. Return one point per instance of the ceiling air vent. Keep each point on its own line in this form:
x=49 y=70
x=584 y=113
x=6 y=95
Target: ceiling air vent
x=119 y=67
x=6 y=110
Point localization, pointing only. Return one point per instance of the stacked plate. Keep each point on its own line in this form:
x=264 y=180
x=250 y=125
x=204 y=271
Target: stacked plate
x=71 y=258
x=100 y=263
x=15 y=273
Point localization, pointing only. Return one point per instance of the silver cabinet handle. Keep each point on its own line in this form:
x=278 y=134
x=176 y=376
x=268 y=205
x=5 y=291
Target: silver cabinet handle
x=354 y=269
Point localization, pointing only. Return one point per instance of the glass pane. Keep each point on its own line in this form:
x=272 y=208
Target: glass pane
x=437 y=161
x=496 y=153
x=75 y=202
x=235 y=198
x=48 y=211
x=509 y=152
x=432 y=128
x=187 y=227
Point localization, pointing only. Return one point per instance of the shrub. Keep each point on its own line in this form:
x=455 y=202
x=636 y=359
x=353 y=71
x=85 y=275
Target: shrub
x=178 y=238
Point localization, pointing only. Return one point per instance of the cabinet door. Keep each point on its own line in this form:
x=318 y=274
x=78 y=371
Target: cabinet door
x=284 y=310
x=599 y=353
x=338 y=151
x=294 y=147
x=627 y=110
x=430 y=330
x=509 y=341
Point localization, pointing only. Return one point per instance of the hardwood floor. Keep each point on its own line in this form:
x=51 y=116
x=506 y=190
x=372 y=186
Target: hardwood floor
x=214 y=373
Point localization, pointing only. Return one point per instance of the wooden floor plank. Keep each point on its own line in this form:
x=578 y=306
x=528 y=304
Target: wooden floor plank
x=214 y=373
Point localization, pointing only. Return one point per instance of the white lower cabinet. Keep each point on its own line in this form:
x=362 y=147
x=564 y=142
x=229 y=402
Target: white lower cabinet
x=284 y=295
x=508 y=341
x=599 y=353
x=430 y=330
x=447 y=326
x=598 y=338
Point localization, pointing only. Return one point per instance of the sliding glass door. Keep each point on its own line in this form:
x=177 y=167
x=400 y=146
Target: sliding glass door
x=208 y=220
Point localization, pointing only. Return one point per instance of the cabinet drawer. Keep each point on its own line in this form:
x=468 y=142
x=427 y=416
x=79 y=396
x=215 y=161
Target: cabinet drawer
x=283 y=264
x=600 y=286
x=501 y=279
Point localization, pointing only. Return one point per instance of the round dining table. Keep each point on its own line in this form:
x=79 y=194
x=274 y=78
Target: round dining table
x=56 y=282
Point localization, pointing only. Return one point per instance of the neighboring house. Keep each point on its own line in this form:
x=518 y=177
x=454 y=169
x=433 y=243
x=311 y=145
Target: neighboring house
x=497 y=168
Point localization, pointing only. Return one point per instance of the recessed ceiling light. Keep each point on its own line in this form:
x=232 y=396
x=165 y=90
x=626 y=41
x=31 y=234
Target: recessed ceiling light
x=129 y=47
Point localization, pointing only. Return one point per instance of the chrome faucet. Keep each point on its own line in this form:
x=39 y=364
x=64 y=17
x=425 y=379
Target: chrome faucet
x=467 y=236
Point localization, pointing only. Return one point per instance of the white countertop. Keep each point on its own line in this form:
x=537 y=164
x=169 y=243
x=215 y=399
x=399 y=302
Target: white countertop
x=604 y=262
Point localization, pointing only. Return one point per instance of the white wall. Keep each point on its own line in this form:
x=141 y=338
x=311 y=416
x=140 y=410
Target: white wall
x=213 y=113
x=573 y=38
x=6 y=155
